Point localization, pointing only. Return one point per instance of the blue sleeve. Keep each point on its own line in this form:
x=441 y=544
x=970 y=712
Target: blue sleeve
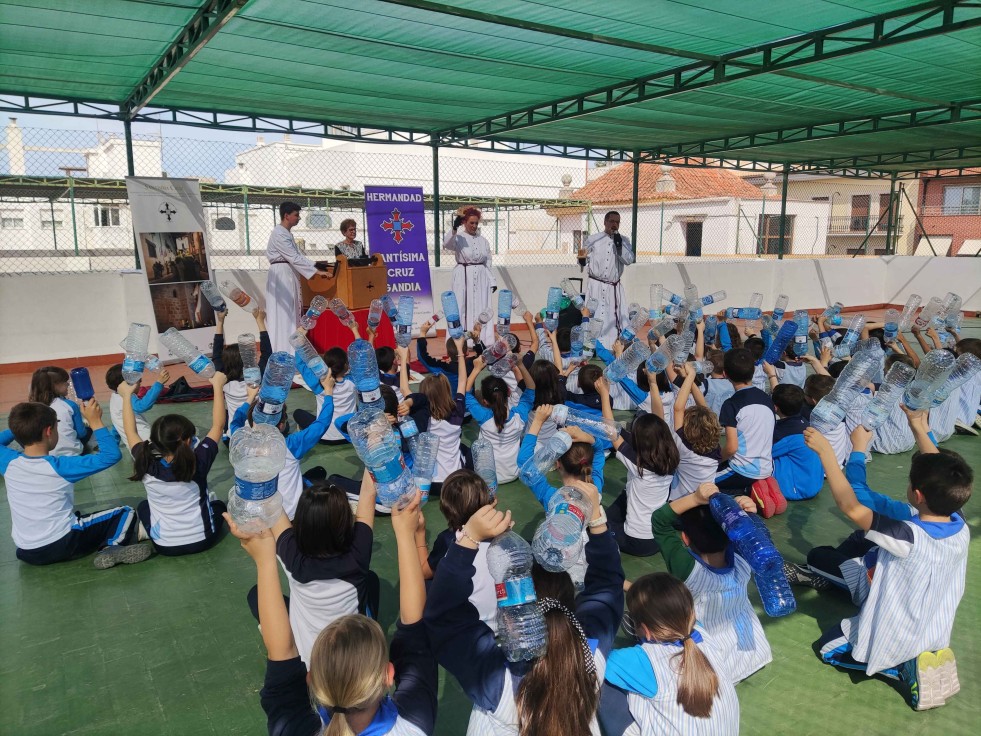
x=78 y=424
x=238 y=421
x=600 y=446
x=478 y=411
x=584 y=401
x=525 y=404
x=309 y=378
x=725 y=340
x=148 y=399
x=603 y=354
x=340 y=424
x=539 y=483
x=634 y=391
x=464 y=645
x=6 y=454
x=422 y=353
x=300 y=443
x=74 y=468
x=265 y=350
x=933 y=438
x=856 y=475
x=217 y=347
x=6 y=437
x=599 y=607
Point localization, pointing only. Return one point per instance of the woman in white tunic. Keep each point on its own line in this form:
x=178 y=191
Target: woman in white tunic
x=286 y=266
x=473 y=280
x=607 y=254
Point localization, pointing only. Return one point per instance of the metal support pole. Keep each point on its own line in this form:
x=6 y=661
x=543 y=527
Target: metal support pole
x=739 y=212
x=892 y=208
x=633 y=205
x=248 y=238
x=916 y=216
x=497 y=222
x=71 y=201
x=131 y=171
x=660 y=243
x=762 y=229
x=54 y=227
x=436 y=218
x=783 y=212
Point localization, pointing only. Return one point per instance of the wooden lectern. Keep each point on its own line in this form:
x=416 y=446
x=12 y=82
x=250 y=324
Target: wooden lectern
x=356 y=286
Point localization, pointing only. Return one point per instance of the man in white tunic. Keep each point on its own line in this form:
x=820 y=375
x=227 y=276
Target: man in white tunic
x=607 y=253
x=473 y=280
x=286 y=266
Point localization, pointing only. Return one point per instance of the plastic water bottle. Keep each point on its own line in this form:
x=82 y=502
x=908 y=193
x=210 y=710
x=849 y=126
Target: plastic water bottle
x=250 y=360
x=318 y=305
x=576 y=341
x=935 y=367
x=520 y=624
x=545 y=457
x=184 y=349
x=375 y=310
x=211 y=293
x=499 y=359
x=388 y=304
x=135 y=346
x=593 y=331
x=153 y=363
x=680 y=346
x=660 y=329
x=544 y=346
x=965 y=368
x=403 y=321
x=890 y=392
x=364 y=374
x=657 y=301
x=833 y=311
x=504 y=301
x=566 y=416
x=711 y=329
x=567 y=512
x=909 y=311
x=717 y=296
x=275 y=387
x=803 y=322
x=238 y=295
x=752 y=542
x=844 y=348
x=629 y=333
x=926 y=315
x=552 y=308
x=569 y=289
x=951 y=304
x=779 y=345
x=691 y=296
x=747 y=313
x=82 y=383
x=891 y=325
x=307 y=354
x=483 y=463
x=660 y=358
x=780 y=307
x=257 y=455
x=425 y=450
x=704 y=367
x=484 y=317
x=770 y=326
x=342 y=313
x=671 y=297
x=592 y=304
x=851 y=381
x=626 y=364
x=452 y=311
x=380 y=450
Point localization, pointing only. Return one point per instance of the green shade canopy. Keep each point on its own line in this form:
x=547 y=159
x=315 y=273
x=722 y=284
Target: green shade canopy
x=881 y=85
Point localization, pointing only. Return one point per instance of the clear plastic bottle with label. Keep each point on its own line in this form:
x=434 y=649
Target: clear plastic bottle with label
x=275 y=387
x=182 y=348
x=521 y=628
x=626 y=365
x=552 y=308
x=405 y=314
x=250 y=360
x=318 y=305
x=257 y=455
x=451 y=310
x=365 y=375
x=307 y=354
x=237 y=294
x=890 y=393
x=135 y=348
x=484 y=464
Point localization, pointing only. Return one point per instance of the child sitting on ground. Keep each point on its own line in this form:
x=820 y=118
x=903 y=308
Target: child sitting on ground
x=345 y=396
x=49 y=386
x=796 y=469
x=917 y=577
x=114 y=377
x=747 y=417
x=816 y=387
x=501 y=426
x=696 y=435
x=41 y=493
x=228 y=360
x=718 y=388
x=388 y=368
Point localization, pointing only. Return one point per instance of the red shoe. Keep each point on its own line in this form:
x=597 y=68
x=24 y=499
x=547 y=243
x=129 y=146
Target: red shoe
x=779 y=502
x=760 y=493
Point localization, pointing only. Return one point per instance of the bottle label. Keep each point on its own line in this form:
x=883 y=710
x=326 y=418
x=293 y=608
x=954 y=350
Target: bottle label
x=503 y=321
x=252 y=375
x=515 y=592
x=401 y=329
x=627 y=336
x=241 y=298
x=568 y=508
x=549 y=314
x=388 y=472
x=199 y=363
x=268 y=408
x=131 y=365
x=452 y=323
x=256 y=491
x=368 y=397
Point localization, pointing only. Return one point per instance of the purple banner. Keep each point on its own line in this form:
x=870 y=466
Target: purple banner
x=397 y=232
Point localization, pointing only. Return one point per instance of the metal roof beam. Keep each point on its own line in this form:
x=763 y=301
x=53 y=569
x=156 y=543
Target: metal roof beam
x=865 y=34
x=193 y=37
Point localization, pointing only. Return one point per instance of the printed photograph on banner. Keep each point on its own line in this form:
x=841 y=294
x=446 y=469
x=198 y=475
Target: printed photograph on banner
x=174 y=257
x=180 y=305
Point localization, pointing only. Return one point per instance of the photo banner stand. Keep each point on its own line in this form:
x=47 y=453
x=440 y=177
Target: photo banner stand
x=172 y=235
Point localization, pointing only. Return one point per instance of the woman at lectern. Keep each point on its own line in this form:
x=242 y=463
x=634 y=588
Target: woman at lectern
x=350 y=247
x=473 y=280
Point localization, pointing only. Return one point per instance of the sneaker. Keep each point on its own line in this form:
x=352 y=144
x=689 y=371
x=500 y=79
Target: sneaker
x=779 y=502
x=960 y=428
x=128 y=554
x=931 y=678
x=805 y=576
x=760 y=493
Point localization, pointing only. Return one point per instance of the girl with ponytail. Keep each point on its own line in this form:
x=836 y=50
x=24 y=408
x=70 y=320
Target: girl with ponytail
x=671 y=680
x=49 y=386
x=499 y=424
x=558 y=692
x=179 y=514
x=352 y=669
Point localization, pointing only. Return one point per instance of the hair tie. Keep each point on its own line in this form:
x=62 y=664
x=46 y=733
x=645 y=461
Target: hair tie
x=338 y=709
x=584 y=462
x=550 y=604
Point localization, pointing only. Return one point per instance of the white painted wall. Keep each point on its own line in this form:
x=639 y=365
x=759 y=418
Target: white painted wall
x=88 y=314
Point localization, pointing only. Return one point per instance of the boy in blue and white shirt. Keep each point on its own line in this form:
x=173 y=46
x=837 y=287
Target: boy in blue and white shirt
x=917 y=573
x=747 y=418
x=41 y=492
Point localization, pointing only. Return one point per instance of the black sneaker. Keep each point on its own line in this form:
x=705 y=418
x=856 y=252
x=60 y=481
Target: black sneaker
x=128 y=554
x=803 y=575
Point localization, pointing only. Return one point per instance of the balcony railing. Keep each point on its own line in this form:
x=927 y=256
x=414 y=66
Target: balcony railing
x=948 y=210
x=861 y=225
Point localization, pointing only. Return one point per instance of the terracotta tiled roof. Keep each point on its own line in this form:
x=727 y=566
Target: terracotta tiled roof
x=616 y=185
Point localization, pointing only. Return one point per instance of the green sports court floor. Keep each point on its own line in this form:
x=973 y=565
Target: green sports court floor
x=169 y=646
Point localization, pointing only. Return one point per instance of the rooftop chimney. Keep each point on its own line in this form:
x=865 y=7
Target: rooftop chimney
x=665 y=182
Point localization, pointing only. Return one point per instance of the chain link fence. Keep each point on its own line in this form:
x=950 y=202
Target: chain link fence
x=63 y=203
